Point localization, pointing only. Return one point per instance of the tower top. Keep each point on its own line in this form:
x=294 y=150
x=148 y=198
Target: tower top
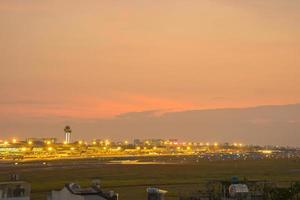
x=68 y=129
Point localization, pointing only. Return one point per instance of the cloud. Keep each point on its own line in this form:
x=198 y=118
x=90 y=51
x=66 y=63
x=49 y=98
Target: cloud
x=256 y=125
x=143 y=114
x=90 y=107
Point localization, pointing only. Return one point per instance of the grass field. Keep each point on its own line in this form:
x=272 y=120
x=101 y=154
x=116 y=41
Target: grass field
x=131 y=181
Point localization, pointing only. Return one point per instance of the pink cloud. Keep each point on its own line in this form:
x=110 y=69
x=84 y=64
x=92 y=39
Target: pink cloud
x=94 y=107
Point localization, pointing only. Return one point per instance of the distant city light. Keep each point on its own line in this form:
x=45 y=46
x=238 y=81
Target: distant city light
x=52 y=149
x=23 y=149
x=107 y=142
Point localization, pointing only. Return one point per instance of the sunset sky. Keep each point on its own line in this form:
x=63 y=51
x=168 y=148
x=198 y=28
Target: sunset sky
x=85 y=60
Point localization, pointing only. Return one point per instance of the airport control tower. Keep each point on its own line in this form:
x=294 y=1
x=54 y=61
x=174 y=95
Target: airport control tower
x=68 y=132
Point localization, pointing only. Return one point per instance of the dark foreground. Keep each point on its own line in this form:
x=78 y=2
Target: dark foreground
x=131 y=179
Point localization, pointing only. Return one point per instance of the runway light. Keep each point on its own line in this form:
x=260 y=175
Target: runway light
x=267 y=151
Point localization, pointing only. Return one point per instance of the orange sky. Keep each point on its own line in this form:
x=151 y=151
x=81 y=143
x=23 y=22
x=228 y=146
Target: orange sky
x=98 y=59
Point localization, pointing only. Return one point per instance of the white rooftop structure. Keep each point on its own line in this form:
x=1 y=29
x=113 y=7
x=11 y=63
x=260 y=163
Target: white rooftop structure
x=237 y=190
x=73 y=191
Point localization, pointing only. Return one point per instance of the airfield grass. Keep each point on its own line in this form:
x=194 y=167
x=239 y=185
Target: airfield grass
x=131 y=181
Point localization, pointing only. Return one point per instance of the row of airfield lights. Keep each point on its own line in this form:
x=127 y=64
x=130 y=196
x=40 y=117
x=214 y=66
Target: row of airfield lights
x=107 y=143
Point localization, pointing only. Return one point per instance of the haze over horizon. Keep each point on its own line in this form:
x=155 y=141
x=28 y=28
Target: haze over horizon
x=89 y=64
